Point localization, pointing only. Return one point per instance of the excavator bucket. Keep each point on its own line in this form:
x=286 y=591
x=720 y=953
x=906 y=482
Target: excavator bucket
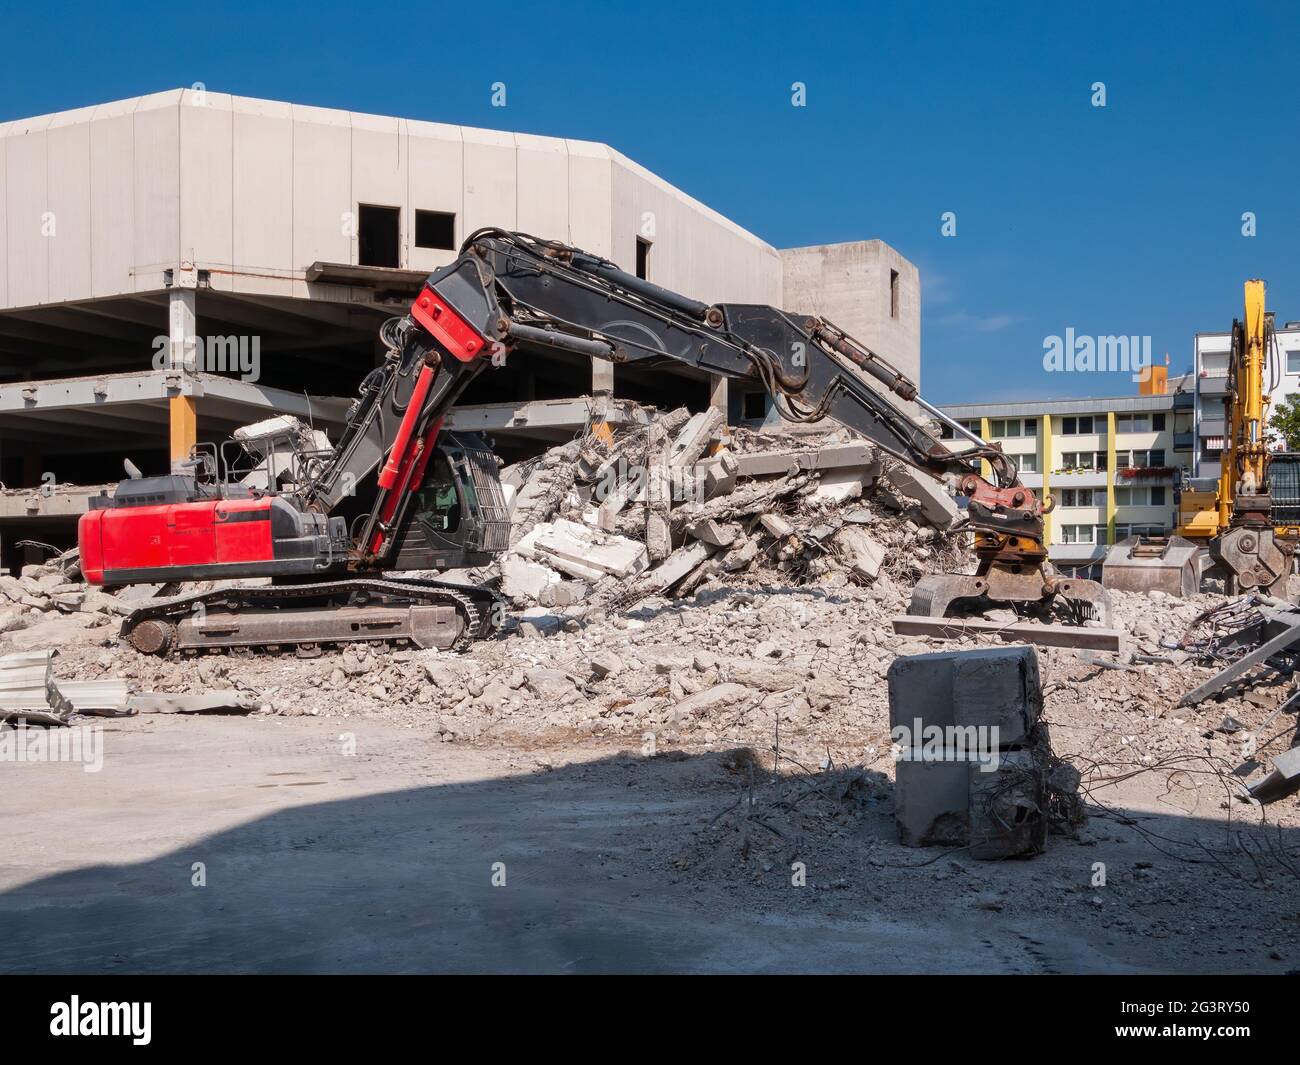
x=1153 y=563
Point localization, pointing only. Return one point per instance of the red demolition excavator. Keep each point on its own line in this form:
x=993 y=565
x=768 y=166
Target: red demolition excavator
x=396 y=495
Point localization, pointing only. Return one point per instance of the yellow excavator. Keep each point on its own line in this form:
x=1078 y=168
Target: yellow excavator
x=1235 y=518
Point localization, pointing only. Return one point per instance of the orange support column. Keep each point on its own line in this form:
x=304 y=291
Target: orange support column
x=184 y=427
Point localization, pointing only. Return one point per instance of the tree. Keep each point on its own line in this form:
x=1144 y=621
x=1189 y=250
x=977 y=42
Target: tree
x=1286 y=421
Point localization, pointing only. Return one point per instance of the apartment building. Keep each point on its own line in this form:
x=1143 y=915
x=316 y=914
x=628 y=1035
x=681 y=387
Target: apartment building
x=1210 y=354
x=1111 y=465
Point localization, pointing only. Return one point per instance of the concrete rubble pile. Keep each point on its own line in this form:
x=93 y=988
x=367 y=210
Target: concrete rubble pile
x=671 y=506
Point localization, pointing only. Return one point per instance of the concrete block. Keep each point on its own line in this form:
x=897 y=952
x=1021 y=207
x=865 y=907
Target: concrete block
x=839 y=486
x=931 y=802
x=1284 y=780
x=860 y=551
x=776 y=526
x=522 y=579
x=719 y=534
x=681 y=562
x=985 y=688
x=937 y=505
x=719 y=474
x=1008 y=807
x=691 y=440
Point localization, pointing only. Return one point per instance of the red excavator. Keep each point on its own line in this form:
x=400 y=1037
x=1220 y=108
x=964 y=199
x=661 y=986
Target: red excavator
x=396 y=495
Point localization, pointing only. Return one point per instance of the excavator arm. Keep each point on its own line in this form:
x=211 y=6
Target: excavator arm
x=508 y=293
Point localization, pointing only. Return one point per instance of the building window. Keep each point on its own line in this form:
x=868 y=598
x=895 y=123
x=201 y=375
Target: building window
x=378 y=240
x=1078 y=534
x=1083 y=460
x=1026 y=463
x=1012 y=427
x=435 y=229
x=893 y=293
x=1101 y=534
x=1158 y=422
x=1293 y=361
x=1080 y=426
x=1083 y=497
x=754 y=406
x=1157 y=496
x=642 y=259
x=1133 y=423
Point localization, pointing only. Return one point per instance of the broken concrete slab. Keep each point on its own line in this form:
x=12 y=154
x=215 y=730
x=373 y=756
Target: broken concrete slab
x=856 y=455
x=680 y=563
x=719 y=534
x=1284 y=780
x=860 y=551
x=522 y=578
x=222 y=701
x=583 y=552
x=714 y=698
x=839 y=486
x=776 y=526
x=1092 y=639
x=937 y=505
x=718 y=475
x=693 y=437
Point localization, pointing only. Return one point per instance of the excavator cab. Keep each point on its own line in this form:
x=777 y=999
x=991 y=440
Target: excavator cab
x=458 y=518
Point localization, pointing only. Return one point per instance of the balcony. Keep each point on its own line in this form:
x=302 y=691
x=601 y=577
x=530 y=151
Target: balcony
x=1184 y=401
x=1212 y=427
x=1216 y=385
x=1145 y=474
x=1077 y=479
x=1184 y=441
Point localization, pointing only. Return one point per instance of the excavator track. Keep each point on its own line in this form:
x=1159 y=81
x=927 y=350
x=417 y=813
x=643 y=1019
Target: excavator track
x=310 y=617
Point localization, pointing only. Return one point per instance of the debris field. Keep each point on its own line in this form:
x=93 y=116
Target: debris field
x=674 y=598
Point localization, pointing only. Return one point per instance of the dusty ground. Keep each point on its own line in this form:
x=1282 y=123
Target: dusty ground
x=382 y=860
x=640 y=826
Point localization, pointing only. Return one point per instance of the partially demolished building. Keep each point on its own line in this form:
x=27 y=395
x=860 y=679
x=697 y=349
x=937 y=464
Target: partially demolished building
x=182 y=264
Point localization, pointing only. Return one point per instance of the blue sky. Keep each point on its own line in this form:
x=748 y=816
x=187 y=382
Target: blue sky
x=1117 y=220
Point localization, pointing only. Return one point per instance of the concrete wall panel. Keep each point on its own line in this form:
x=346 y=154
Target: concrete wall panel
x=157 y=183
x=207 y=225
x=263 y=196
x=591 y=197
x=490 y=179
x=112 y=203
x=542 y=168
x=322 y=190
x=850 y=285
x=26 y=205
x=435 y=182
x=69 y=197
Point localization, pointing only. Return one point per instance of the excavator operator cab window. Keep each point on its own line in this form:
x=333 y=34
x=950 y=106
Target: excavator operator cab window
x=437 y=504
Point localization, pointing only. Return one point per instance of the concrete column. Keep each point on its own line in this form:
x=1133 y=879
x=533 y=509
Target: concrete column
x=1047 y=460
x=182 y=349
x=602 y=376
x=718 y=396
x=1110 y=477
